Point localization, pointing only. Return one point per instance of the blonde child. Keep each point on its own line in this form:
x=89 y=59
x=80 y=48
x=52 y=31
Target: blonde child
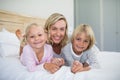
x=36 y=53
x=80 y=53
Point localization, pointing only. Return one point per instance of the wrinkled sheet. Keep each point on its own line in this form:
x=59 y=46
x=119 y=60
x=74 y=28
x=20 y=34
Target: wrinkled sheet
x=12 y=69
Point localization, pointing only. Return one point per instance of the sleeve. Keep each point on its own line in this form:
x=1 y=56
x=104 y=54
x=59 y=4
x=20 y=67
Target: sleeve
x=27 y=58
x=50 y=52
x=92 y=58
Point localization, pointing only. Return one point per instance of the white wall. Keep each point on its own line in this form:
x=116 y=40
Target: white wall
x=41 y=8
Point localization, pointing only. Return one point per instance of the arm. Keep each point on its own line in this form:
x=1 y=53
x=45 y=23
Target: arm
x=79 y=67
x=28 y=59
x=58 y=61
x=51 y=67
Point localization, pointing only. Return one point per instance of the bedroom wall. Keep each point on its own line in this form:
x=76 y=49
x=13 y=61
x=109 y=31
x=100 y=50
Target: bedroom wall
x=41 y=8
x=104 y=17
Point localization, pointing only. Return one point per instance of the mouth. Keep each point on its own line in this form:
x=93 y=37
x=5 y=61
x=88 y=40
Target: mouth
x=80 y=47
x=37 y=42
x=56 y=38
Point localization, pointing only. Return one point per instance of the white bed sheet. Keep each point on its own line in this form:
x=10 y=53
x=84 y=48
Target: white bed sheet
x=12 y=69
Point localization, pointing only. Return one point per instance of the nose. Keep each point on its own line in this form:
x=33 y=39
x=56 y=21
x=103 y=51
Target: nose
x=58 y=32
x=81 y=43
x=36 y=37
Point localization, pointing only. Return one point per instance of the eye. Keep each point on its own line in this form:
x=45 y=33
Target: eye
x=39 y=34
x=54 y=28
x=86 y=41
x=78 y=39
x=31 y=36
x=62 y=29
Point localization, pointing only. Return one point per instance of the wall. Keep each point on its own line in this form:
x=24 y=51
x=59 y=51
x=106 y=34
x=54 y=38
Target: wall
x=88 y=12
x=104 y=17
x=41 y=8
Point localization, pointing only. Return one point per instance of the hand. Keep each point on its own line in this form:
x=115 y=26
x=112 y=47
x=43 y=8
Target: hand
x=52 y=68
x=77 y=67
x=58 y=61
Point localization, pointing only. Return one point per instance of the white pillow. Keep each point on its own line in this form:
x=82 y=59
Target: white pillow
x=9 y=44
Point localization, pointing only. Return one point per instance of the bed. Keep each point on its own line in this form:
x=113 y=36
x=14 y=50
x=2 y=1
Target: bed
x=12 y=69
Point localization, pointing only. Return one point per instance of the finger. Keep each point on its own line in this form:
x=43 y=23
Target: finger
x=61 y=61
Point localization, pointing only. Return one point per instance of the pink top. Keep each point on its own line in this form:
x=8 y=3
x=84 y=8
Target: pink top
x=29 y=58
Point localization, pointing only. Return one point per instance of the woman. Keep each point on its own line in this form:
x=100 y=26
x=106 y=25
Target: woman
x=57 y=28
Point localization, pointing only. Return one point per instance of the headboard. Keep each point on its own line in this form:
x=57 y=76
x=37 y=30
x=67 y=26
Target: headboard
x=13 y=21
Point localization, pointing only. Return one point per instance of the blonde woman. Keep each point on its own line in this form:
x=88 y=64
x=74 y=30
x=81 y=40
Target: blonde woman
x=57 y=28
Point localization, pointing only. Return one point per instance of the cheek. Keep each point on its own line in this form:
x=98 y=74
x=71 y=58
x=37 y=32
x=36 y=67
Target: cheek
x=63 y=33
x=51 y=33
x=73 y=44
x=87 y=45
x=45 y=38
x=29 y=41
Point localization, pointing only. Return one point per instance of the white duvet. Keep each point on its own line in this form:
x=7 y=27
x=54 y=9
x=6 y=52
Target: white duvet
x=12 y=69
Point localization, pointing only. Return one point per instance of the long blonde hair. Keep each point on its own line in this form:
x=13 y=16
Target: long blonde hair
x=51 y=21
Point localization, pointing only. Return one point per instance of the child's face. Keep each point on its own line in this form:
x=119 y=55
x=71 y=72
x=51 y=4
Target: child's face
x=36 y=37
x=57 y=31
x=80 y=43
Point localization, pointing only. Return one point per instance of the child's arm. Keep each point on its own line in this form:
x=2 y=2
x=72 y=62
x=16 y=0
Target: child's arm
x=28 y=60
x=58 y=61
x=86 y=66
x=51 y=67
x=54 y=65
x=79 y=67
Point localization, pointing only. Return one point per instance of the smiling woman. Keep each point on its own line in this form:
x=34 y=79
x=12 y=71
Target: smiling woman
x=57 y=27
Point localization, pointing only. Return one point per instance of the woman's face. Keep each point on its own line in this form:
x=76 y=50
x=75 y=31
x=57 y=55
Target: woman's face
x=36 y=37
x=80 y=43
x=57 y=31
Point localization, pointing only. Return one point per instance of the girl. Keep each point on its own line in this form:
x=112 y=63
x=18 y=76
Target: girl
x=36 y=54
x=80 y=54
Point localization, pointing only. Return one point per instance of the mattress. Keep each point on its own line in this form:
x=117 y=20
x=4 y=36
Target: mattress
x=12 y=69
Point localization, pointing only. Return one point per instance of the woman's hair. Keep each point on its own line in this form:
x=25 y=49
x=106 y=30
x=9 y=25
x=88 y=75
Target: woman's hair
x=84 y=28
x=51 y=21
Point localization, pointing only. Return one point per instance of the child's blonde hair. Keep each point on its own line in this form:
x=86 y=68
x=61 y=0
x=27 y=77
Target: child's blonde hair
x=24 y=41
x=86 y=29
x=51 y=21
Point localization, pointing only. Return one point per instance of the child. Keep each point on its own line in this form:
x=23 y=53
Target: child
x=80 y=54
x=36 y=54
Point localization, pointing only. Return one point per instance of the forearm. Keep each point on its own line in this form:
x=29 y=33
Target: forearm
x=86 y=66
x=50 y=67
